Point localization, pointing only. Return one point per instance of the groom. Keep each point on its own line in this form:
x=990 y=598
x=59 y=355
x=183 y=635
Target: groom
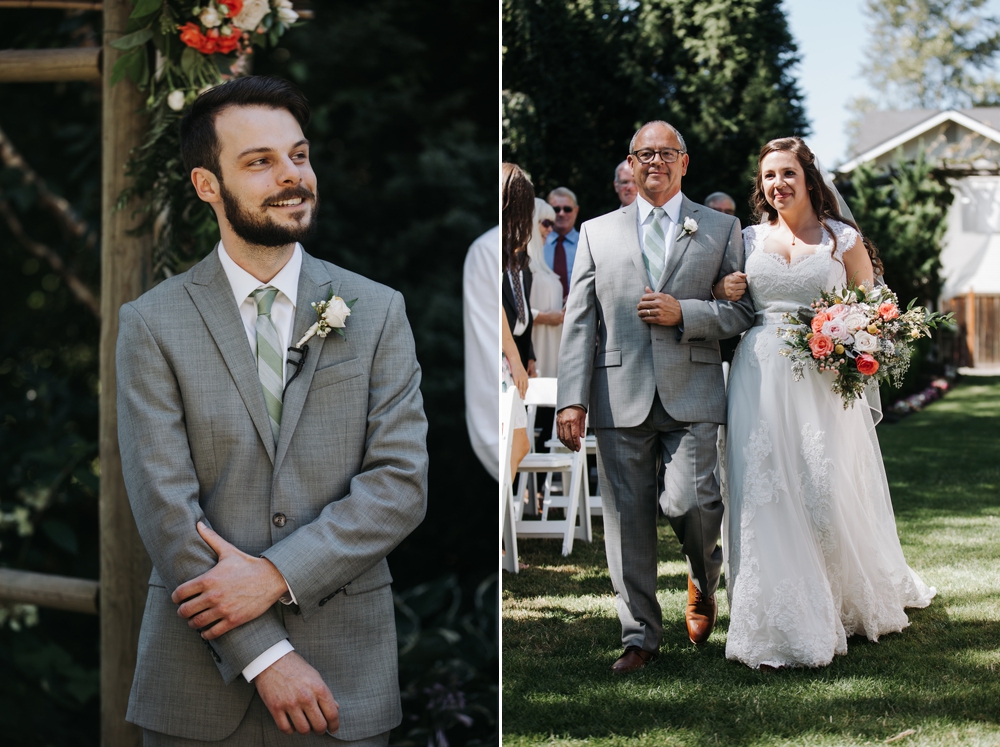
x=640 y=356
x=269 y=477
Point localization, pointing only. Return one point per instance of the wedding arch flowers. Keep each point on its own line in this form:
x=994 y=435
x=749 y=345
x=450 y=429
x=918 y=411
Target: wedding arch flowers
x=174 y=50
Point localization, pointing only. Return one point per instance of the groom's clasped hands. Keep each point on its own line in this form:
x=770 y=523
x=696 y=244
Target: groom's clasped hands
x=241 y=588
x=659 y=308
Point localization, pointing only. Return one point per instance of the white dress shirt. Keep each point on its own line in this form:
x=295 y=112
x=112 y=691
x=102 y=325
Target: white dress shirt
x=668 y=223
x=283 y=317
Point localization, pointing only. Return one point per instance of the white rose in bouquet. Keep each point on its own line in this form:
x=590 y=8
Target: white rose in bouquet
x=864 y=342
x=855 y=320
x=252 y=14
x=210 y=18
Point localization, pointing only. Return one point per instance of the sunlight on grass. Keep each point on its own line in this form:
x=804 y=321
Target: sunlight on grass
x=939 y=677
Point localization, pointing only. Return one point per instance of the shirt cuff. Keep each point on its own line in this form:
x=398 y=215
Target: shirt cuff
x=266 y=659
x=289 y=597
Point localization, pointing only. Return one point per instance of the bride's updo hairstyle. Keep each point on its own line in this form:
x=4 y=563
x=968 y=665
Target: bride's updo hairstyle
x=824 y=201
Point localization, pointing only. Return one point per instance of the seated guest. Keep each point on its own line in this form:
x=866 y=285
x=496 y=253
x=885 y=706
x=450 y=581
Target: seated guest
x=624 y=184
x=722 y=202
x=546 y=297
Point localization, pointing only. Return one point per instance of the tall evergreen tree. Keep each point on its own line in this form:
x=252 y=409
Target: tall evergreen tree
x=579 y=77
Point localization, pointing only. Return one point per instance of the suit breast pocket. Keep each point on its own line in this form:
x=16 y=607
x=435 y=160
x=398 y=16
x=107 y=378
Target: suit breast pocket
x=336 y=373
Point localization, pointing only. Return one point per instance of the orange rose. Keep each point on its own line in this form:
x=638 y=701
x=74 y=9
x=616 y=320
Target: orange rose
x=819 y=320
x=821 y=345
x=866 y=364
x=209 y=46
x=888 y=310
x=235 y=6
x=227 y=44
x=191 y=35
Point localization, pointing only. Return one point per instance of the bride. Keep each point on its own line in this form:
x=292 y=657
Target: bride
x=812 y=552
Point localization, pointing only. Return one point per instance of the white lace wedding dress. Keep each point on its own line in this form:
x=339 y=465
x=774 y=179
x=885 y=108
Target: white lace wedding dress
x=812 y=554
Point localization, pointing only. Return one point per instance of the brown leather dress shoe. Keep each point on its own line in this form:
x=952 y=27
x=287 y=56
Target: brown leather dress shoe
x=634 y=658
x=700 y=614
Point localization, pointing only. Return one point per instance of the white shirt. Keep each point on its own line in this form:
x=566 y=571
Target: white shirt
x=481 y=315
x=283 y=317
x=668 y=223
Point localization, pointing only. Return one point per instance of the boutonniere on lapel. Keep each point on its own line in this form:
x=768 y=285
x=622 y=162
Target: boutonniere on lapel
x=331 y=314
x=689 y=227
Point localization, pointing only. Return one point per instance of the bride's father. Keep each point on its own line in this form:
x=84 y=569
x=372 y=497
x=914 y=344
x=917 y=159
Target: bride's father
x=640 y=354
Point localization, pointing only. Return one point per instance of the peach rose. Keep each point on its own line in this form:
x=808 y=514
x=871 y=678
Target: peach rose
x=818 y=321
x=821 y=345
x=866 y=364
x=234 y=6
x=888 y=310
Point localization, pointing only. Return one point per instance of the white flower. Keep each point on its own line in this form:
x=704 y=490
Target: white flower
x=336 y=312
x=210 y=17
x=864 y=342
x=252 y=14
x=285 y=13
x=176 y=100
x=855 y=319
x=690 y=225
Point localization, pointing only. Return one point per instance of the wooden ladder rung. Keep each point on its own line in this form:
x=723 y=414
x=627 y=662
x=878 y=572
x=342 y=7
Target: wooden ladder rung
x=50 y=65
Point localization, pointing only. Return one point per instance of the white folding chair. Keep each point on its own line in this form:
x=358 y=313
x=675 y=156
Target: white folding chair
x=573 y=466
x=509 y=401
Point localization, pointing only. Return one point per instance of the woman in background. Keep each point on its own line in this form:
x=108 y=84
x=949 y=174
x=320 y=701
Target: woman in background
x=546 y=298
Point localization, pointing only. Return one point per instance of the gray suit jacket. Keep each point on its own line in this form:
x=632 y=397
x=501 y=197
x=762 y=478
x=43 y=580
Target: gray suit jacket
x=349 y=473
x=611 y=362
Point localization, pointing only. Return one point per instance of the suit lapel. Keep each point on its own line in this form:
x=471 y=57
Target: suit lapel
x=314 y=285
x=630 y=229
x=681 y=243
x=212 y=294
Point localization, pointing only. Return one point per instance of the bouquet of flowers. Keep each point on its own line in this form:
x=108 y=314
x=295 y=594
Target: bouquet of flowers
x=859 y=334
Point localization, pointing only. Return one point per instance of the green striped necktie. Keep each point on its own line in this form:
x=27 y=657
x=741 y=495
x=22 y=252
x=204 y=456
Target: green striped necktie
x=269 y=358
x=654 y=249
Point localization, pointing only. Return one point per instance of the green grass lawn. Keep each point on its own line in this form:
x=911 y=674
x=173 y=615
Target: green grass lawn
x=940 y=677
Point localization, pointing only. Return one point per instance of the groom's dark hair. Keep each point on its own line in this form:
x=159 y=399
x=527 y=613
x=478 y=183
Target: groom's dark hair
x=199 y=143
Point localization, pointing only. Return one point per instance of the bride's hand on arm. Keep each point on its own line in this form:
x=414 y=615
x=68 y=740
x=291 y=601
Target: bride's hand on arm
x=859 y=265
x=517 y=371
x=731 y=287
x=550 y=318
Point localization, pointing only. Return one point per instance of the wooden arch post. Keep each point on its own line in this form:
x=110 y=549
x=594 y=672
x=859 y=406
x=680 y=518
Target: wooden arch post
x=126 y=268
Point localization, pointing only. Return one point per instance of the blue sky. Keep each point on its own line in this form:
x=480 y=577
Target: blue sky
x=831 y=38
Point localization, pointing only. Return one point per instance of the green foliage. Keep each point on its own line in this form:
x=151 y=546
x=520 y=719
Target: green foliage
x=580 y=77
x=904 y=211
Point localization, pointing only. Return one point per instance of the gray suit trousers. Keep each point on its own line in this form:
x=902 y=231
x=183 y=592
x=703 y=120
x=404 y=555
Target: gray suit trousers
x=257 y=729
x=628 y=461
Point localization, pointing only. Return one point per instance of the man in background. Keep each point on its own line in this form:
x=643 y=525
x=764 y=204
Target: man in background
x=624 y=184
x=560 y=246
x=722 y=202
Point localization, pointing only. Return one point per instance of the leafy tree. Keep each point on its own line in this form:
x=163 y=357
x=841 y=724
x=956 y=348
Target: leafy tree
x=580 y=77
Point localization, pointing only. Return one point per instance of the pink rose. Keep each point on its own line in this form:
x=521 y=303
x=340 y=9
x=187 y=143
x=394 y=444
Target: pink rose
x=837 y=310
x=818 y=321
x=866 y=364
x=836 y=329
x=888 y=310
x=821 y=345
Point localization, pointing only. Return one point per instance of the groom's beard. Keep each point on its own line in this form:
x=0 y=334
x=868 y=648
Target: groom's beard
x=260 y=230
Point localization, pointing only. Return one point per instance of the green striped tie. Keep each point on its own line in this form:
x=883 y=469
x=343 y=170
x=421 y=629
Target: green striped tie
x=269 y=359
x=654 y=250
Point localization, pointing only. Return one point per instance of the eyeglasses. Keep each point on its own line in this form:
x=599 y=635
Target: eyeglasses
x=564 y=208
x=546 y=223
x=669 y=155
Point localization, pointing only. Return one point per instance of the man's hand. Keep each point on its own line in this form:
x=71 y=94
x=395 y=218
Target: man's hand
x=297 y=697
x=659 y=308
x=240 y=588
x=571 y=425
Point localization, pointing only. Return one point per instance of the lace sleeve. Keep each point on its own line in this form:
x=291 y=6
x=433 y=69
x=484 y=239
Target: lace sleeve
x=845 y=237
x=749 y=241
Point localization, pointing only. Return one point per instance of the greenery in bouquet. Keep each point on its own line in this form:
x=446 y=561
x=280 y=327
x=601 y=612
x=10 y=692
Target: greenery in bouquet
x=859 y=335
x=175 y=49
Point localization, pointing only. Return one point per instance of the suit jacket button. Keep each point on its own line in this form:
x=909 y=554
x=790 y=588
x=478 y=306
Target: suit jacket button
x=278 y=520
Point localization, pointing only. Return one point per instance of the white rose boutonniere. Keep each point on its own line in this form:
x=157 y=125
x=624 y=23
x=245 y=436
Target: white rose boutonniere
x=331 y=314
x=689 y=227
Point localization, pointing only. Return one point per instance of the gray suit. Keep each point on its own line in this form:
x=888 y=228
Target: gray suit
x=344 y=485
x=655 y=396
